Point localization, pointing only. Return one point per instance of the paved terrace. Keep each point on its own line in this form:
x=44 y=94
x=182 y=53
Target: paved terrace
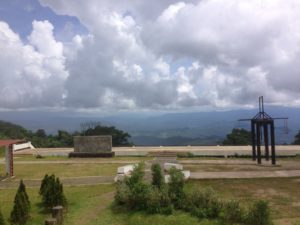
x=281 y=150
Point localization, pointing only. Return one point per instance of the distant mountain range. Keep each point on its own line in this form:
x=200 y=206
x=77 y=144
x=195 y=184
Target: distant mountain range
x=188 y=128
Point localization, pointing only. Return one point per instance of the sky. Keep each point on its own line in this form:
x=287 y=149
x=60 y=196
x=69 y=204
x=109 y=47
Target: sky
x=135 y=55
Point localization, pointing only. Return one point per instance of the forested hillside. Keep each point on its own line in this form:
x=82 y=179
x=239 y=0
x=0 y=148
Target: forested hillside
x=62 y=138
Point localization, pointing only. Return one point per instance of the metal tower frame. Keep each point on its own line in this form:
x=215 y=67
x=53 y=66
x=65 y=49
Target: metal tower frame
x=262 y=126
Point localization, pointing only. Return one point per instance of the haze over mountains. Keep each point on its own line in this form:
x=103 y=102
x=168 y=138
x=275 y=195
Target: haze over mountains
x=186 y=128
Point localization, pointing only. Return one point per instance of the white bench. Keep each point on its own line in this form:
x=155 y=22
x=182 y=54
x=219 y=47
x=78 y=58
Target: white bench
x=125 y=169
x=168 y=166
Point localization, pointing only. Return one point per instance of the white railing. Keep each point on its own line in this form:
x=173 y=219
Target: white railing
x=21 y=146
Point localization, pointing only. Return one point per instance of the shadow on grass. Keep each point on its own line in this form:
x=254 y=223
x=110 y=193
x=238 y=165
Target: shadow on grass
x=42 y=209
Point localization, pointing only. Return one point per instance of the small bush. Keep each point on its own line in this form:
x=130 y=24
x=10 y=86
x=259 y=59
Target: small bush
x=137 y=175
x=232 y=213
x=44 y=184
x=122 y=193
x=159 y=201
x=157 y=176
x=38 y=156
x=20 y=213
x=138 y=196
x=190 y=155
x=153 y=202
x=51 y=190
x=176 y=185
x=2 y=221
x=185 y=155
x=203 y=204
x=259 y=214
x=132 y=191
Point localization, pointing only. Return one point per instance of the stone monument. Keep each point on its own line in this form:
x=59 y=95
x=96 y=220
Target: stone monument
x=92 y=146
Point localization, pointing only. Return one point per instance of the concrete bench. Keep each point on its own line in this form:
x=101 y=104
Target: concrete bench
x=168 y=166
x=125 y=169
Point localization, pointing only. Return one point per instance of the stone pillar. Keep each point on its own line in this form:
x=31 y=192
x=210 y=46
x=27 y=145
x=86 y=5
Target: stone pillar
x=50 y=221
x=9 y=160
x=57 y=213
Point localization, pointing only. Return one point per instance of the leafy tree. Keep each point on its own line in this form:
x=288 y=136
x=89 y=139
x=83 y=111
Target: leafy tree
x=157 y=176
x=119 y=137
x=65 y=138
x=21 y=209
x=12 y=131
x=2 y=221
x=41 y=133
x=41 y=139
x=238 y=137
x=297 y=139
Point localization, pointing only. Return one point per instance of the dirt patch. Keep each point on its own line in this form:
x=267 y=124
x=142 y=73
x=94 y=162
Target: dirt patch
x=287 y=221
x=296 y=204
x=270 y=193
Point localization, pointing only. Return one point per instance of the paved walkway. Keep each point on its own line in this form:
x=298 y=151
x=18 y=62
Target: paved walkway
x=70 y=181
x=245 y=174
x=94 y=180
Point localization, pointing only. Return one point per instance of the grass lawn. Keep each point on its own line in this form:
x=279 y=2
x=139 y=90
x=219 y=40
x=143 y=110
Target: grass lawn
x=282 y=194
x=38 y=171
x=64 y=158
x=89 y=205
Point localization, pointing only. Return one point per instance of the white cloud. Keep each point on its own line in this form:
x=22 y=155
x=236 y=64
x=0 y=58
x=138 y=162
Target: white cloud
x=31 y=75
x=160 y=54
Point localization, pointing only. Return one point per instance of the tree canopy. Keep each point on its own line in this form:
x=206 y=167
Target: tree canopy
x=63 y=138
x=119 y=137
x=12 y=131
x=238 y=137
x=297 y=139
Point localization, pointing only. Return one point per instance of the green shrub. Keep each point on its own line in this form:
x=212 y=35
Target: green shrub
x=159 y=201
x=122 y=193
x=52 y=193
x=259 y=214
x=2 y=221
x=157 y=176
x=232 y=213
x=176 y=185
x=154 y=201
x=20 y=213
x=132 y=191
x=138 y=196
x=203 y=203
x=22 y=189
x=137 y=175
x=44 y=184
